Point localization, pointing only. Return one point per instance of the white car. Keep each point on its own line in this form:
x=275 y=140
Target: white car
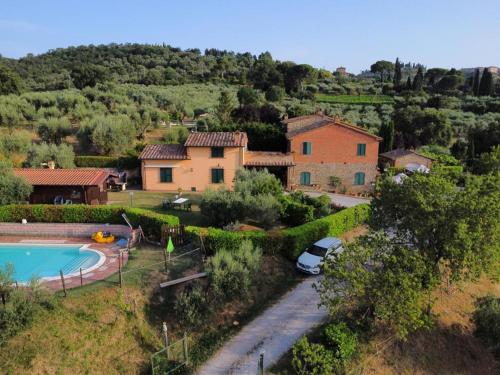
x=311 y=260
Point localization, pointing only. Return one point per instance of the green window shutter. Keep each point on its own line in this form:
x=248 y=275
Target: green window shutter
x=359 y=178
x=361 y=149
x=165 y=174
x=305 y=178
x=217 y=176
x=307 y=148
x=217 y=152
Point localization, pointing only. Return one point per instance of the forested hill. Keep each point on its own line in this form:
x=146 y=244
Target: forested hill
x=150 y=65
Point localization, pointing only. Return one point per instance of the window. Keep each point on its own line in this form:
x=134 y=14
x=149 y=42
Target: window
x=361 y=149
x=305 y=178
x=165 y=174
x=217 y=176
x=307 y=148
x=217 y=152
x=359 y=178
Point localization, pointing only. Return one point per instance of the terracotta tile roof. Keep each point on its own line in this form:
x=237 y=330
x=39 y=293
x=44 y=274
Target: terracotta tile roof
x=323 y=120
x=268 y=159
x=217 y=139
x=164 y=152
x=63 y=177
x=399 y=153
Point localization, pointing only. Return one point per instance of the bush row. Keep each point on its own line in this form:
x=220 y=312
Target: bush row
x=290 y=242
x=150 y=222
x=124 y=162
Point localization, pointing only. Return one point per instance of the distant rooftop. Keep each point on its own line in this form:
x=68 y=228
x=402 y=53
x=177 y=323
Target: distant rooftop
x=399 y=153
x=268 y=159
x=164 y=152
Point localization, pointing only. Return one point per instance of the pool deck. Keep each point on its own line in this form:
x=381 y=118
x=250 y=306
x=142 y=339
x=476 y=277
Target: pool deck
x=108 y=268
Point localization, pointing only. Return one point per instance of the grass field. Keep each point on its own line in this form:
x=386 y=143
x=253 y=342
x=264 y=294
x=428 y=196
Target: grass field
x=153 y=201
x=354 y=99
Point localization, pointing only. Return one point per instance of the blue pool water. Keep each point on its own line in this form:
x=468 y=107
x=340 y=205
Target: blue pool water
x=32 y=260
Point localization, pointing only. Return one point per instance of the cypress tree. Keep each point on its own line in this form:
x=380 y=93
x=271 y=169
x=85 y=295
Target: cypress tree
x=408 y=83
x=418 y=81
x=475 y=83
x=486 y=83
x=387 y=133
x=397 y=74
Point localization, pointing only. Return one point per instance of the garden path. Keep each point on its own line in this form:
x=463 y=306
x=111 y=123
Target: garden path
x=274 y=331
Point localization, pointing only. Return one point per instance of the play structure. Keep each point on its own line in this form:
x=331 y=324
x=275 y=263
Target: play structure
x=103 y=237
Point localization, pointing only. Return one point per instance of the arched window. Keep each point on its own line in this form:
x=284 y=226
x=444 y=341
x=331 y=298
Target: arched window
x=359 y=178
x=305 y=178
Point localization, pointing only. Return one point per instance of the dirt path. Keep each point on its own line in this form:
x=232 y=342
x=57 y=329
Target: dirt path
x=274 y=331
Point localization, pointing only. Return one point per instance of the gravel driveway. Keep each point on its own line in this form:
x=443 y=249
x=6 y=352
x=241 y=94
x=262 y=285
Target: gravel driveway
x=274 y=331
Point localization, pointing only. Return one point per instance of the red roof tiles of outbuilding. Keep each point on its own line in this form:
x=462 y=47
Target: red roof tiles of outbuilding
x=63 y=177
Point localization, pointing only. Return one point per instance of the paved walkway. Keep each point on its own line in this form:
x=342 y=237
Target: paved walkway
x=340 y=199
x=274 y=331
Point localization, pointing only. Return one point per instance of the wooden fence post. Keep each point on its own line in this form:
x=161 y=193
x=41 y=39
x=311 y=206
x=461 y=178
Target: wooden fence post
x=62 y=281
x=165 y=258
x=81 y=277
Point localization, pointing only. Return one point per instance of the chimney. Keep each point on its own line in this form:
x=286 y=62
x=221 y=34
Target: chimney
x=51 y=164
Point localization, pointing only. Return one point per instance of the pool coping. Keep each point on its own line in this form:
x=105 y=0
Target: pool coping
x=106 y=267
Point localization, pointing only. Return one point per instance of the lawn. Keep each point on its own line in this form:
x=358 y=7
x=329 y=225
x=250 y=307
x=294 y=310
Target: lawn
x=354 y=99
x=153 y=201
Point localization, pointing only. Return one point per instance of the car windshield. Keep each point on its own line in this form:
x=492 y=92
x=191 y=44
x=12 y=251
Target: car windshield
x=317 y=250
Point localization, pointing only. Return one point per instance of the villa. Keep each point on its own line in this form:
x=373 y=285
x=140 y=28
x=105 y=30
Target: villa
x=319 y=147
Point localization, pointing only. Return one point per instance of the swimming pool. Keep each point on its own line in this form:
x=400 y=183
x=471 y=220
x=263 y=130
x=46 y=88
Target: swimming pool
x=45 y=261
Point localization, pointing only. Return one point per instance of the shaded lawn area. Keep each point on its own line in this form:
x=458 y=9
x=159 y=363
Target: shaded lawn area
x=153 y=201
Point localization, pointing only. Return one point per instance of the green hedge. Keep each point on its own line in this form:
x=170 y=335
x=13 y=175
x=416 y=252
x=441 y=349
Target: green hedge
x=125 y=162
x=291 y=242
x=150 y=222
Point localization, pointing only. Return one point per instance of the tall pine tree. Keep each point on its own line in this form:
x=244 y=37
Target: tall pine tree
x=397 y=74
x=486 y=83
x=475 y=83
x=418 y=81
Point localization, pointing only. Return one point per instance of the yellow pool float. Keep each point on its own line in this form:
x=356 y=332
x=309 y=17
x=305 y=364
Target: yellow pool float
x=101 y=237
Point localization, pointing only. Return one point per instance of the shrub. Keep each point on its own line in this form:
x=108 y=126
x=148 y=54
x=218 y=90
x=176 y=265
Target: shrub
x=151 y=222
x=231 y=271
x=487 y=321
x=191 y=306
x=341 y=341
x=313 y=359
x=22 y=304
x=263 y=209
x=257 y=182
x=13 y=189
x=221 y=207
x=295 y=213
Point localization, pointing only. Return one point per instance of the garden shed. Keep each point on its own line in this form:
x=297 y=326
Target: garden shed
x=77 y=185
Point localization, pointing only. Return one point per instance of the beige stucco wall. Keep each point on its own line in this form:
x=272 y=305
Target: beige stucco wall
x=194 y=172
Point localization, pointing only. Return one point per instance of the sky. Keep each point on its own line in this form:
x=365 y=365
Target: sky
x=326 y=34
